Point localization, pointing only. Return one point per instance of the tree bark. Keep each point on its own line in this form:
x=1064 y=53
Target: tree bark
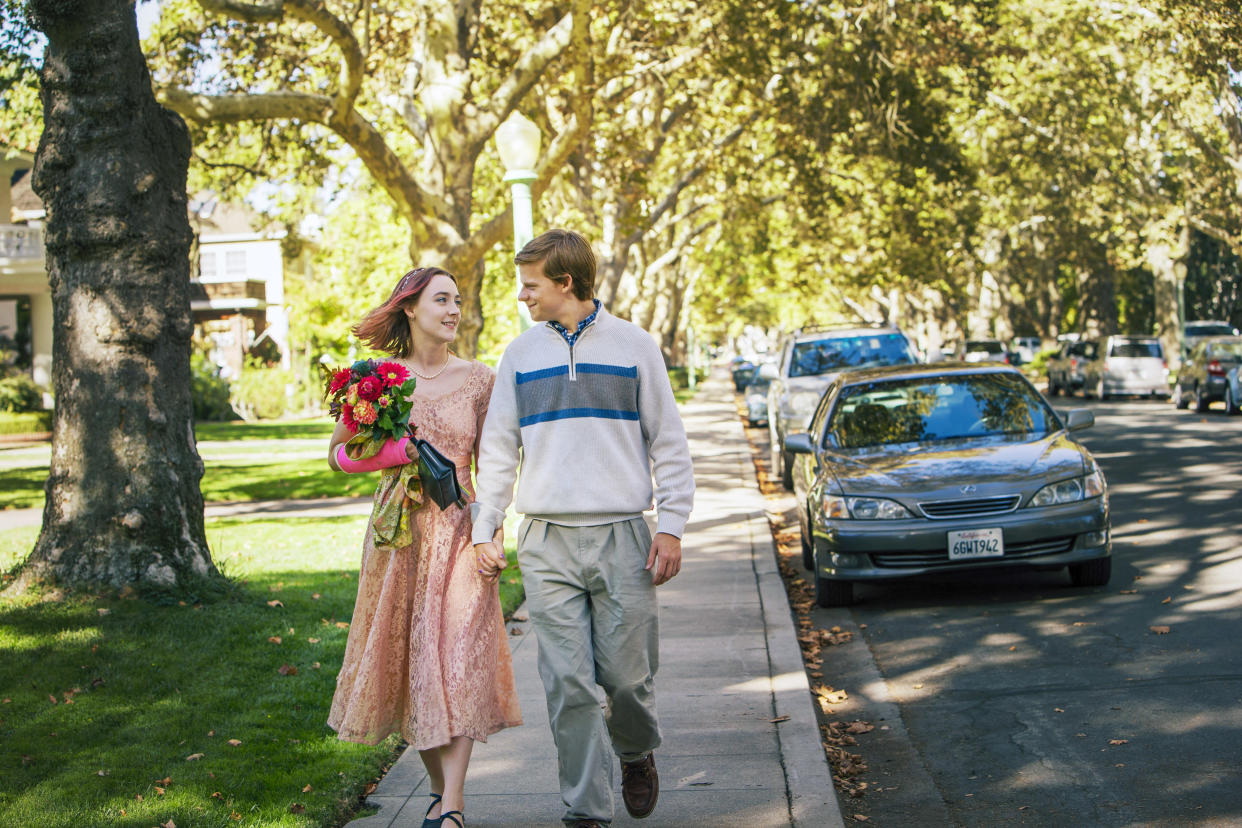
x=123 y=502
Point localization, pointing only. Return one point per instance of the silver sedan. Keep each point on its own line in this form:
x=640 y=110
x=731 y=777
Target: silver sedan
x=910 y=470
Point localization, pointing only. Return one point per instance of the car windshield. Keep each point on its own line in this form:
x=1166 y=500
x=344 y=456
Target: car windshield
x=1228 y=351
x=930 y=409
x=1216 y=329
x=1136 y=348
x=826 y=356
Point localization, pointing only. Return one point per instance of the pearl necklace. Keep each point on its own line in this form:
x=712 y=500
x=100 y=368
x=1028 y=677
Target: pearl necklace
x=436 y=374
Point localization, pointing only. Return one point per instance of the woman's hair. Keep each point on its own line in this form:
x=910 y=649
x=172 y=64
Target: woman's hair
x=386 y=328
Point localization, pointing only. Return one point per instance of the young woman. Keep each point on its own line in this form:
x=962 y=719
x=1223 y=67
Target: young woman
x=427 y=655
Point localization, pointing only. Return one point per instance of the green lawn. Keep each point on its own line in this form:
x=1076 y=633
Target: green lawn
x=120 y=712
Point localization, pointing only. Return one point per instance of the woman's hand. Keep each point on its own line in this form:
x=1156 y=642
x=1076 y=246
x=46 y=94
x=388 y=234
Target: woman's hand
x=490 y=557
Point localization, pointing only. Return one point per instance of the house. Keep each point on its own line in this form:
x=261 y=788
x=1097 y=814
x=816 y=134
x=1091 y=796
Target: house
x=237 y=281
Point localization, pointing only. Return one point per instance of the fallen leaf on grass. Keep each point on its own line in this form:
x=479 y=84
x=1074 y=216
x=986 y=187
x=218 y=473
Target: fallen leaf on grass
x=103 y=610
x=275 y=603
x=194 y=757
x=53 y=698
x=7 y=701
x=295 y=808
x=287 y=670
x=314 y=596
x=313 y=640
x=234 y=742
x=344 y=625
x=169 y=824
x=273 y=639
x=236 y=817
x=307 y=789
x=1159 y=629
x=101 y=773
x=217 y=795
x=158 y=790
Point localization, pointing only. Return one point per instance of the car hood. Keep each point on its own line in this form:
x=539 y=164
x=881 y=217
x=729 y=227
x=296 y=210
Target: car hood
x=816 y=383
x=992 y=465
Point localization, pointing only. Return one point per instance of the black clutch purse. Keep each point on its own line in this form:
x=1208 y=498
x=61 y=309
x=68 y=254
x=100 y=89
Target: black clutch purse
x=438 y=476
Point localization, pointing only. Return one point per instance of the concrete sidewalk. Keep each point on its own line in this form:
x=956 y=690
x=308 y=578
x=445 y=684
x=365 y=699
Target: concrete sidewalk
x=741 y=745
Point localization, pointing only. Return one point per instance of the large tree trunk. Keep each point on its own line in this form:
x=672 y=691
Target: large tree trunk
x=123 y=502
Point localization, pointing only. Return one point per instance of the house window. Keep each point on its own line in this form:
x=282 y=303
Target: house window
x=235 y=264
x=206 y=265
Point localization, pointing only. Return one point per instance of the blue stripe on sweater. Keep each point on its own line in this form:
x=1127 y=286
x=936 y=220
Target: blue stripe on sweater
x=630 y=371
x=575 y=413
x=543 y=373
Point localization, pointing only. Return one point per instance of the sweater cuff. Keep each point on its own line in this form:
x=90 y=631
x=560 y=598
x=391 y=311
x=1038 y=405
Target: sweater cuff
x=486 y=521
x=671 y=524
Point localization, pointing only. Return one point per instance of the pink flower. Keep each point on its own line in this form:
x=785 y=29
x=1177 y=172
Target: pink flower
x=347 y=417
x=339 y=380
x=392 y=373
x=364 y=412
x=369 y=388
x=383 y=402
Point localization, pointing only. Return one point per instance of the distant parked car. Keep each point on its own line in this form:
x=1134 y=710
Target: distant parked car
x=1199 y=329
x=1065 y=370
x=1210 y=373
x=983 y=350
x=1127 y=365
x=1025 y=347
x=756 y=395
x=810 y=358
x=742 y=369
x=919 y=469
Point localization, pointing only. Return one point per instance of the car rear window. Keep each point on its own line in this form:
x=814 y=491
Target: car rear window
x=1136 y=349
x=827 y=356
x=1209 y=330
x=938 y=408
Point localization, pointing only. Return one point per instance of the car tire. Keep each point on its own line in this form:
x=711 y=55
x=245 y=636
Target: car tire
x=830 y=593
x=1202 y=403
x=1100 y=393
x=808 y=549
x=1053 y=390
x=1179 y=397
x=752 y=423
x=1091 y=573
x=1231 y=404
x=787 y=471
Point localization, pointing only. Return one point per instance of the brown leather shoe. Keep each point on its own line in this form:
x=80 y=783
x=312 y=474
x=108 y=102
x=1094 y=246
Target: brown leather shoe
x=640 y=786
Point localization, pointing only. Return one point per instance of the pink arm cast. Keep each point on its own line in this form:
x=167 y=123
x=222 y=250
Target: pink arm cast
x=392 y=454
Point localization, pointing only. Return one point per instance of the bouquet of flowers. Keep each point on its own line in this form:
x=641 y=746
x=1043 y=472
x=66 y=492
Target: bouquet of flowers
x=372 y=398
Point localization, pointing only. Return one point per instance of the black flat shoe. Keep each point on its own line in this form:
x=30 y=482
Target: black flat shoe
x=428 y=822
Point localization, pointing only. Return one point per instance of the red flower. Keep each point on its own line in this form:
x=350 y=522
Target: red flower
x=339 y=380
x=347 y=417
x=369 y=388
x=392 y=373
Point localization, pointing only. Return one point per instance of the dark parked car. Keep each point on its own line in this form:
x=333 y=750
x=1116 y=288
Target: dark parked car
x=1205 y=374
x=910 y=470
x=1065 y=370
x=742 y=370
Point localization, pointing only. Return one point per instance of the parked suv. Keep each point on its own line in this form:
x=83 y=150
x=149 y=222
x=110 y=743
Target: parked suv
x=1199 y=329
x=810 y=359
x=1210 y=373
x=1065 y=369
x=1127 y=365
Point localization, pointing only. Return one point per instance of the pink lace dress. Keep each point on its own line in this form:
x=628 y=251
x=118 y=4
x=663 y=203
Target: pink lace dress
x=427 y=655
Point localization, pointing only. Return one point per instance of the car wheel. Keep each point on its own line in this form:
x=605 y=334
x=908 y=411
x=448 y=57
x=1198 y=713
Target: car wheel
x=1179 y=397
x=752 y=423
x=1053 y=390
x=830 y=593
x=787 y=471
x=1202 y=403
x=808 y=549
x=1231 y=402
x=1100 y=393
x=1092 y=573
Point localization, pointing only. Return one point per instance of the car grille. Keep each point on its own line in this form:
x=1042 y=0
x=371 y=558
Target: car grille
x=970 y=507
x=940 y=557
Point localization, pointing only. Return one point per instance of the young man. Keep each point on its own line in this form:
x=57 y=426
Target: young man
x=584 y=401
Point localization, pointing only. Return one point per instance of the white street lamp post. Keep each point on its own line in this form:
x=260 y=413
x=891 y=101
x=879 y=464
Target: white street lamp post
x=517 y=139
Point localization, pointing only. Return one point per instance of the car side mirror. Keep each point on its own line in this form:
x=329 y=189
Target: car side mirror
x=1079 y=418
x=799 y=443
x=768 y=372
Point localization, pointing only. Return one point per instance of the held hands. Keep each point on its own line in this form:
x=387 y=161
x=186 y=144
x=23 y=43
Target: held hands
x=664 y=559
x=491 y=556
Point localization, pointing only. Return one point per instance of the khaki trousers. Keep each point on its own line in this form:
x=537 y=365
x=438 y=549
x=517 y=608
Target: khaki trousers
x=593 y=608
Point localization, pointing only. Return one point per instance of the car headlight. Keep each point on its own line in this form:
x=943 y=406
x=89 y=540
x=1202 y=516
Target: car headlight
x=1070 y=491
x=862 y=508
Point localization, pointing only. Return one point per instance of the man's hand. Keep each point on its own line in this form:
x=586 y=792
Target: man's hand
x=491 y=557
x=664 y=559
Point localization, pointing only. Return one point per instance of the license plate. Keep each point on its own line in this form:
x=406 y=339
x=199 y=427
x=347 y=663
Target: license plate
x=976 y=543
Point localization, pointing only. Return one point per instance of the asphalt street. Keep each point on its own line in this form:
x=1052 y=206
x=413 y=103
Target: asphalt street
x=1016 y=699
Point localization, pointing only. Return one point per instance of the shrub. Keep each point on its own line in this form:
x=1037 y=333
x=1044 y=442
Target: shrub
x=19 y=393
x=260 y=392
x=30 y=422
x=208 y=390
